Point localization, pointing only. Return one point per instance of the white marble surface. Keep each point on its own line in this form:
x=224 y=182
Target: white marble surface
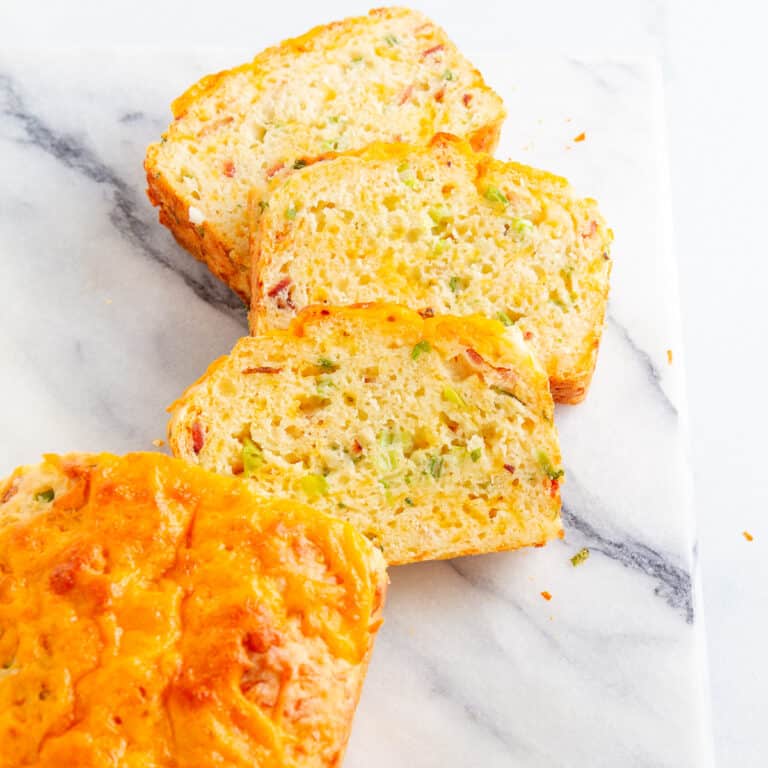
x=106 y=320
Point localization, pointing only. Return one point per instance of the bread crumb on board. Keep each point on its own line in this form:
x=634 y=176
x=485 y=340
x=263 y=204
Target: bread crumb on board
x=158 y=443
x=748 y=536
x=581 y=137
x=669 y=356
x=580 y=557
x=546 y=595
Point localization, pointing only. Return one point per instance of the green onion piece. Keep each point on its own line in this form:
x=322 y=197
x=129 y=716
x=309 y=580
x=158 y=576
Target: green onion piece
x=388 y=457
x=314 y=485
x=522 y=226
x=46 y=495
x=440 y=246
x=452 y=396
x=252 y=457
x=546 y=465
x=455 y=284
x=448 y=75
x=357 y=59
x=580 y=557
x=495 y=195
x=436 y=466
x=439 y=213
x=327 y=364
x=407 y=175
x=420 y=348
x=391 y=40
x=476 y=454
x=290 y=213
x=299 y=164
x=505 y=318
x=409 y=501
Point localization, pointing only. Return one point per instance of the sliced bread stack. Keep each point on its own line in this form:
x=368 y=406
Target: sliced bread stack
x=378 y=226
x=392 y=75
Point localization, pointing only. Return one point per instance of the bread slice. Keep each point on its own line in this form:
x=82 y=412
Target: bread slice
x=443 y=229
x=392 y=75
x=434 y=437
x=154 y=614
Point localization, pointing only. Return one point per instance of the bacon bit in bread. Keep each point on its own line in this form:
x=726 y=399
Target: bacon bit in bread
x=474 y=356
x=527 y=335
x=357 y=449
x=748 y=536
x=278 y=287
x=229 y=169
x=274 y=169
x=282 y=294
x=439 y=95
x=62 y=578
x=261 y=369
x=509 y=469
x=10 y=491
x=592 y=229
x=466 y=99
x=546 y=595
x=434 y=49
x=554 y=488
x=405 y=95
x=198 y=437
x=214 y=126
x=581 y=136
x=669 y=356
x=427 y=312
x=80 y=488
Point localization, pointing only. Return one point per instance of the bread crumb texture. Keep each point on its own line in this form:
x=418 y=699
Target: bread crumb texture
x=434 y=437
x=152 y=614
x=392 y=75
x=443 y=229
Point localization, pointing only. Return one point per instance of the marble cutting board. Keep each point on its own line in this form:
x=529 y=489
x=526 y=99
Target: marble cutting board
x=105 y=320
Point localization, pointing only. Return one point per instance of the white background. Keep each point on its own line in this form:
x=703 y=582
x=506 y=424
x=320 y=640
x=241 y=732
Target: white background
x=715 y=60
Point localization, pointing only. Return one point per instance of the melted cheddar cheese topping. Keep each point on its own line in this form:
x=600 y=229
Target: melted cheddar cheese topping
x=152 y=614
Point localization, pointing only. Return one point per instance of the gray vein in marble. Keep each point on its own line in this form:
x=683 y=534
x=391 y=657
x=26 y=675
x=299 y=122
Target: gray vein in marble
x=673 y=583
x=131 y=117
x=654 y=376
x=487 y=587
x=590 y=69
x=125 y=215
x=444 y=687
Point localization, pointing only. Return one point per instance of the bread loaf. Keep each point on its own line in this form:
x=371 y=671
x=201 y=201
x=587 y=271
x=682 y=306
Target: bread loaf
x=153 y=614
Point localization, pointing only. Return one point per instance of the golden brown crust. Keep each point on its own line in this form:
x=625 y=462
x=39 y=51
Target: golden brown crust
x=152 y=614
x=201 y=240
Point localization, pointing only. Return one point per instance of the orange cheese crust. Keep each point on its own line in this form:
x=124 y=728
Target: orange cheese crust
x=153 y=614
